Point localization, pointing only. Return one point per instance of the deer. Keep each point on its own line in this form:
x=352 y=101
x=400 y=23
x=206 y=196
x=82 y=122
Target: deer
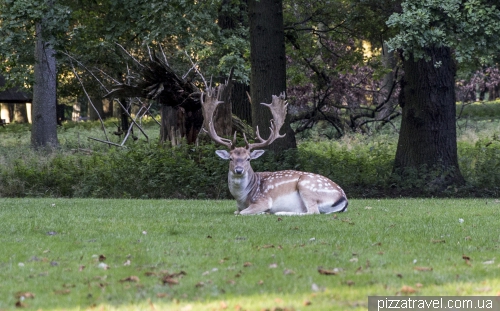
x=287 y=192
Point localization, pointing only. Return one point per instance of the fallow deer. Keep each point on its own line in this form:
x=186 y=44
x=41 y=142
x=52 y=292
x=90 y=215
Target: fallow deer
x=282 y=193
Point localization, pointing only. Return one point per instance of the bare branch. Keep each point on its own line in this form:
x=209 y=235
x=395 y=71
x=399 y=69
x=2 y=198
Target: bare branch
x=129 y=54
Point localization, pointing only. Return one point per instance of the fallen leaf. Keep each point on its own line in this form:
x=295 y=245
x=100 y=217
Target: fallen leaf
x=247 y=264
x=468 y=238
x=288 y=271
x=280 y=219
x=408 y=290
x=131 y=278
x=489 y=262
x=273 y=265
x=268 y=246
x=223 y=305
x=169 y=281
x=62 y=292
x=199 y=284
x=26 y=295
x=399 y=275
x=438 y=241
x=328 y=272
x=150 y=273
x=178 y=274
x=417 y=268
x=232 y=282
x=127 y=263
x=80 y=268
x=307 y=303
x=350 y=282
x=419 y=285
x=102 y=265
x=354 y=259
x=102 y=257
x=162 y=295
x=209 y=236
x=260 y=282
x=368 y=207
x=465 y=257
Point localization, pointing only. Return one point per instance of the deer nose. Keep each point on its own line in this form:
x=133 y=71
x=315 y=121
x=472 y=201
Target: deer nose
x=238 y=170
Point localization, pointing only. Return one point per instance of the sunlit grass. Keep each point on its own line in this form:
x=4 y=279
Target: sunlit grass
x=55 y=249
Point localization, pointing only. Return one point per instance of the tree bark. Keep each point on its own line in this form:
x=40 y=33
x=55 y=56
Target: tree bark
x=44 y=118
x=427 y=139
x=268 y=73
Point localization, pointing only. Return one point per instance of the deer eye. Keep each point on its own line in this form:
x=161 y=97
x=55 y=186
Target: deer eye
x=248 y=159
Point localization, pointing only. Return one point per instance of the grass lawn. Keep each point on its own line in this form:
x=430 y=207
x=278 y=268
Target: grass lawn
x=79 y=254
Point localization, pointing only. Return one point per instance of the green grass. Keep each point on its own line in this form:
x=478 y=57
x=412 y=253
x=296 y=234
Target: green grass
x=51 y=248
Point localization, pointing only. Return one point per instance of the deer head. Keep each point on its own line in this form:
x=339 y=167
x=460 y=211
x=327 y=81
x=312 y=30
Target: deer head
x=241 y=156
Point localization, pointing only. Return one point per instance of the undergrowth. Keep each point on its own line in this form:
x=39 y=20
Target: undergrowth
x=361 y=164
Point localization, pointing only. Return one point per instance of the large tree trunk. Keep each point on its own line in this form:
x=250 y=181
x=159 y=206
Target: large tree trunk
x=427 y=139
x=44 y=119
x=267 y=58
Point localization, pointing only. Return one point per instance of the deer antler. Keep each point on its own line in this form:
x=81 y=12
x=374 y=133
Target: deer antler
x=278 y=108
x=209 y=105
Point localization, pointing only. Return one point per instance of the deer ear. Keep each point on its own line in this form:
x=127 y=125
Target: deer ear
x=256 y=153
x=223 y=154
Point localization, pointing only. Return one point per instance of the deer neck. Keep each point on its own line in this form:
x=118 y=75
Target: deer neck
x=242 y=186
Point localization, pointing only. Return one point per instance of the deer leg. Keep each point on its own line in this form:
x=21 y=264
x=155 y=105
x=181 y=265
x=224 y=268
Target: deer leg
x=311 y=206
x=254 y=209
x=310 y=202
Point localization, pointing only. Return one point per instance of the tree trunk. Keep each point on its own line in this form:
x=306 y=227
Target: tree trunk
x=96 y=108
x=268 y=73
x=172 y=124
x=427 y=139
x=240 y=103
x=44 y=119
x=20 y=113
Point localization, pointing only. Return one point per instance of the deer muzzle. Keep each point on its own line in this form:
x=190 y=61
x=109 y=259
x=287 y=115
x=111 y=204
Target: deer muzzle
x=239 y=170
